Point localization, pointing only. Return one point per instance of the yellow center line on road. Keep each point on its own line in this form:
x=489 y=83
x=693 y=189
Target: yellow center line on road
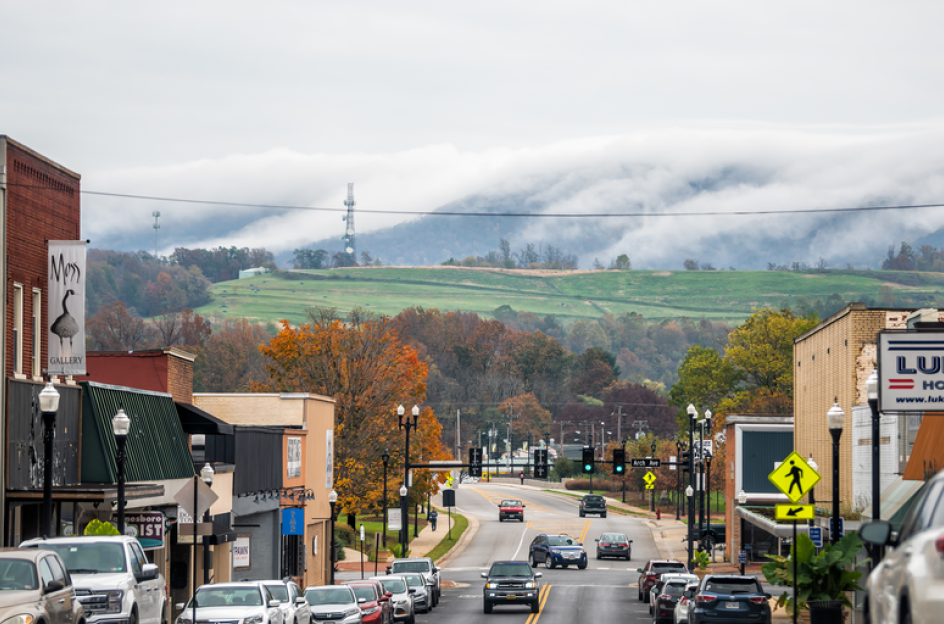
x=497 y=499
x=542 y=599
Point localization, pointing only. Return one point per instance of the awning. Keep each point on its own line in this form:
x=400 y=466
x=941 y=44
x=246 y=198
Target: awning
x=195 y=420
x=896 y=500
x=220 y=535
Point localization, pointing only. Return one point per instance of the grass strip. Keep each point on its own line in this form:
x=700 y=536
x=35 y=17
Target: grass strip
x=460 y=524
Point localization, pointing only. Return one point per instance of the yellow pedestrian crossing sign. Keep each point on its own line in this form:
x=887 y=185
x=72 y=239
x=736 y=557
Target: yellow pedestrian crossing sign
x=794 y=477
x=795 y=512
x=649 y=478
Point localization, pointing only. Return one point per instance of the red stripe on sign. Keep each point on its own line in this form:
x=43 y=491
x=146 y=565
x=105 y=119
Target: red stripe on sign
x=906 y=380
x=901 y=387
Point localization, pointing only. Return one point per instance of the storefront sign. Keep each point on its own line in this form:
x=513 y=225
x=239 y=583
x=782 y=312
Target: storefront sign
x=147 y=526
x=293 y=458
x=66 y=322
x=911 y=371
x=329 y=459
x=293 y=521
x=241 y=553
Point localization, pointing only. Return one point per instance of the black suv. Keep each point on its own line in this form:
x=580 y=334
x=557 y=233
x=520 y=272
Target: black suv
x=511 y=582
x=593 y=504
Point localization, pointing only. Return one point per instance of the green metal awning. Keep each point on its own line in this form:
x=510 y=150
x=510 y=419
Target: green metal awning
x=157 y=446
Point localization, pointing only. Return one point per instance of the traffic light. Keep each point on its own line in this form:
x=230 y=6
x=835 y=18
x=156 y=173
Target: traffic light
x=686 y=458
x=540 y=464
x=587 y=460
x=475 y=462
x=619 y=461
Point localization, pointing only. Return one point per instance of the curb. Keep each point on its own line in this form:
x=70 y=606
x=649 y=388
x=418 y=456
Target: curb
x=460 y=546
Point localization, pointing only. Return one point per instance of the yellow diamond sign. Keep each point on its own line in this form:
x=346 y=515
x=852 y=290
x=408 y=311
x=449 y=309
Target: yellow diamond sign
x=794 y=477
x=649 y=477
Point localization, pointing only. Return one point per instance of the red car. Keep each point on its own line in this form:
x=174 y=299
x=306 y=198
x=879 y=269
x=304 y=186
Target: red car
x=650 y=573
x=373 y=601
x=511 y=510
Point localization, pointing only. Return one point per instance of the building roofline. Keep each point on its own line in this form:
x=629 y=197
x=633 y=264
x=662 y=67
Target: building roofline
x=855 y=306
x=39 y=156
x=278 y=395
x=143 y=353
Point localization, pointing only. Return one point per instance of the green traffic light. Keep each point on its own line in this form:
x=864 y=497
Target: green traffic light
x=619 y=469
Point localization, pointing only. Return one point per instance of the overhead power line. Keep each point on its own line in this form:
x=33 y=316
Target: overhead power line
x=530 y=215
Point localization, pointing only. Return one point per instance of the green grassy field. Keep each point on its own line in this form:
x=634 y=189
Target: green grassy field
x=722 y=295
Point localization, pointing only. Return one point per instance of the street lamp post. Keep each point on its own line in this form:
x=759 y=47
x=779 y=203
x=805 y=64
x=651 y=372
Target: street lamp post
x=332 y=501
x=835 y=419
x=742 y=500
x=121 y=425
x=385 y=457
x=405 y=423
x=690 y=490
x=48 y=405
x=679 y=447
x=206 y=473
x=871 y=390
x=706 y=458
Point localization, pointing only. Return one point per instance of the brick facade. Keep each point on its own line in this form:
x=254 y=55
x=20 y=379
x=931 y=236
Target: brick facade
x=167 y=370
x=42 y=203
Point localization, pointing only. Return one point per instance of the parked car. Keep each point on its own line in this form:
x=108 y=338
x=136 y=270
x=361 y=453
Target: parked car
x=416 y=584
x=730 y=597
x=614 y=545
x=557 y=550
x=685 y=602
x=423 y=565
x=649 y=574
x=403 y=607
x=665 y=594
x=35 y=586
x=248 y=601
x=373 y=601
x=714 y=534
x=112 y=578
x=337 y=604
x=908 y=583
x=511 y=582
x=511 y=510
x=295 y=609
x=592 y=504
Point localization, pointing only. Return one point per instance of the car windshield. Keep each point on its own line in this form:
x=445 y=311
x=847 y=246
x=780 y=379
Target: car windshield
x=661 y=568
x=90 y=557
x=366 y=593
x=511 y=569
x=414 y=580
x=511 y=503
x=227 y=597
x=393 y=585
x=279 y=592
x=331 y=595
x=16 y=574
x=674 y=589
x=410 y=566
x=561 y=540
x=732 y=586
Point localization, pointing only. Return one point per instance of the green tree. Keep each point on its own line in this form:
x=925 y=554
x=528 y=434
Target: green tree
x=705 y=380
x=622 y=263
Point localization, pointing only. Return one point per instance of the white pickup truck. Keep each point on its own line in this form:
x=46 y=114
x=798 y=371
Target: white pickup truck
x=112 y=578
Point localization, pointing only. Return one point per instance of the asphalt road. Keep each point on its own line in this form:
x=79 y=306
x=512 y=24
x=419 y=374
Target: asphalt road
x=604 y=592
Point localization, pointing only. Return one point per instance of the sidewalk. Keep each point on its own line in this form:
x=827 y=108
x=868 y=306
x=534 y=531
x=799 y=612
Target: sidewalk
x=425 y=541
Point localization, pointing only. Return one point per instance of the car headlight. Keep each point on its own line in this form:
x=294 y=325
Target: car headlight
x=351 y=612
x=115 y=597
x=254 y=619
x=529 y=585
x=554 y=551
x=23 y=618
x=370 y=611
x=492 y=585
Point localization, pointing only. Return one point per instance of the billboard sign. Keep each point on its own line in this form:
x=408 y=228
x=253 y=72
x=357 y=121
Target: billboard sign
x=911 y=371
x=66 y=323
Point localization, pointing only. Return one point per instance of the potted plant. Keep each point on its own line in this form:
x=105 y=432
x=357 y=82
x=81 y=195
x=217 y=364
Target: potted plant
x=701 y=560
x=822 y=577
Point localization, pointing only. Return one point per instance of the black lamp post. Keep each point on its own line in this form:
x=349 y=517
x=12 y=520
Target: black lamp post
x=405 y=423
x=690 y=490
x=332 y=500
x=121 y=425
x=706 y=458
x=835 y=419
x=679 y=447
x=48 y=405
x=385 y=456
x=871 y=390
x=206 y=473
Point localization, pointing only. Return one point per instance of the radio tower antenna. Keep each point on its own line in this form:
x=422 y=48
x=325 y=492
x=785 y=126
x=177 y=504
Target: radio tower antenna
x=157 y=215
x=350 y=248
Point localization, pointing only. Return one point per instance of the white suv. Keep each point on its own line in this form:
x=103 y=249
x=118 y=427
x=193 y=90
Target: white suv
x=426 y=567
x=907 y=586
x=112 y=578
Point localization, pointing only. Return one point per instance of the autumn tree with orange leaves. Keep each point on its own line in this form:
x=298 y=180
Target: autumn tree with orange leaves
x=360 y=362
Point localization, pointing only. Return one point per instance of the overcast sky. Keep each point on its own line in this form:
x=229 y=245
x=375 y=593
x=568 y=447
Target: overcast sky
x=423 y=103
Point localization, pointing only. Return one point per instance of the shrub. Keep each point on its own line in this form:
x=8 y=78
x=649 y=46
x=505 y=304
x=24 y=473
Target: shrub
x=584 y=484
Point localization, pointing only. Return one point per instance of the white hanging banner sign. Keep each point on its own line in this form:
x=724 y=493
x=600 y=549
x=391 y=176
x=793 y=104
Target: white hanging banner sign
x=66 y=328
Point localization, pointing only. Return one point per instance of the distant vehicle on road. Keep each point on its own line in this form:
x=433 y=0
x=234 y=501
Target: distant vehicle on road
x=592 y=504
x=614 y=545
x=511 y=510
x=423 y=565
x=723 y=598
x=650 y=573
x=232 y=602
x=404 y=609
x=665 y=593
x=685 y=603
x=509 y=583
x=557 y=550
x=295 y=609
x=334 y=603
x=371 y=598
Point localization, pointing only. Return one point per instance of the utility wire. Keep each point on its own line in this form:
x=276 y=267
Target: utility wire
x=534 y=215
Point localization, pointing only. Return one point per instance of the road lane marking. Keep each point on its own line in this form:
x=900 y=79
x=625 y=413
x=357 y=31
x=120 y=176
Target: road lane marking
x=524 y=531
x=542 y=599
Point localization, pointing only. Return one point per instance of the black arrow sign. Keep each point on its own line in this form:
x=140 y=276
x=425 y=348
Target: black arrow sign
x=794 y=512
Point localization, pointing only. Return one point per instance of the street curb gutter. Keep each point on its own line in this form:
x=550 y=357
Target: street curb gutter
x=460 y=546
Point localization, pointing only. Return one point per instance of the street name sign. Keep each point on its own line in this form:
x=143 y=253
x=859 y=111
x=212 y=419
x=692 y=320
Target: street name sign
x=910 y=371
x=795 y=512
x=794 y=477
x=645 y=462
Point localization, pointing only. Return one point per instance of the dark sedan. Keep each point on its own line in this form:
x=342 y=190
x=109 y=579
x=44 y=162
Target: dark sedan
x=723 y=598
x=614 y=545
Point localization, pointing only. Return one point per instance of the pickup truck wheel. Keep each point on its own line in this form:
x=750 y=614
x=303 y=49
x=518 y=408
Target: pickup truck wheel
x=535 y=606
x=603 y=515
x=487 y=607
x=501 y=519
x=134 y=617
x=581 y=513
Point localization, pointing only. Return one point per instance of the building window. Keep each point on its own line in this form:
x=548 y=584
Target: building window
x=37 y=333
x=17 y=329
x=293 y=555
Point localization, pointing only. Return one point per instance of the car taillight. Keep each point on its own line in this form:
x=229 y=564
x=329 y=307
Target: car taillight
x=757 y=599
x=605 y=544
x=665 y=597
x=622 y=545
x=705 y=598
x=939 y=545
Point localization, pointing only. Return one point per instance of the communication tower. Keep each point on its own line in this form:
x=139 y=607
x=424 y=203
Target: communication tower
x=350 y=249
x=157 y=215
